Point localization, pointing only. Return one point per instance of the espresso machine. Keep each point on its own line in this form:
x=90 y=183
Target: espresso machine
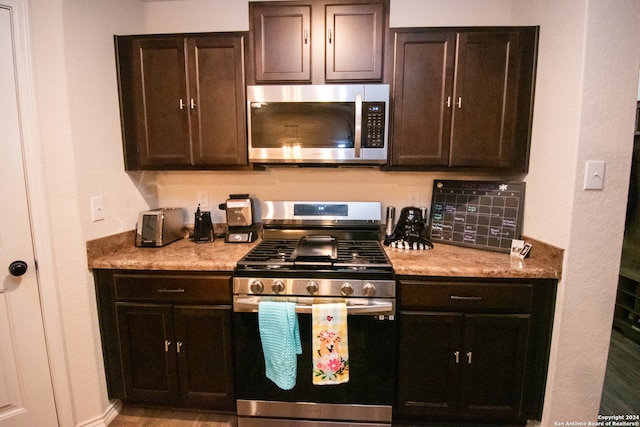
x=241 y=219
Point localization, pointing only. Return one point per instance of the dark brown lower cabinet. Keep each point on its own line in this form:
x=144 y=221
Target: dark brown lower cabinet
x=167 y=338
x=175 y=355
x=467 y=350
x=469 y=363
x=149 y=367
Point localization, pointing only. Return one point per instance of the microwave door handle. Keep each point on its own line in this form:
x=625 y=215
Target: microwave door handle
x=357 y=143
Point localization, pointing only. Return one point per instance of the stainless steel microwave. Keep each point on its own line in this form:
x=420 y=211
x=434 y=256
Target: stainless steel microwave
x=318 y=124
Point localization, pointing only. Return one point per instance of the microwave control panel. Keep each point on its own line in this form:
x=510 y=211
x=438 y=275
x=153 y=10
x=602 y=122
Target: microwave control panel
x=373 y=124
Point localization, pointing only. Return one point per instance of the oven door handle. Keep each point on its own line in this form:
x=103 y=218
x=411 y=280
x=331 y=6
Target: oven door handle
x=250 y=304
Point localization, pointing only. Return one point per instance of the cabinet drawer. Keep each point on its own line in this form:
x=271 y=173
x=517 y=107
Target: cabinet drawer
x=466 y=296
x=173 y=288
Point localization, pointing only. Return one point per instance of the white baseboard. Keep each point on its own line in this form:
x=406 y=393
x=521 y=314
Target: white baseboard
x=103 y=421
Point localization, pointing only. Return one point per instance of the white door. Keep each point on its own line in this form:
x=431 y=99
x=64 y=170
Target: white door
x=26 y=393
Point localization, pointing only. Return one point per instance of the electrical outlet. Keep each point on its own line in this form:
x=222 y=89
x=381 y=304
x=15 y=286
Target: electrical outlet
x=203 y=198
x=97 y=210
x=414 y=198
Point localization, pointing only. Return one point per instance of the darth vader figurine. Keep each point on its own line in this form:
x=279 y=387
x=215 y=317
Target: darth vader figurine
x=410 y=231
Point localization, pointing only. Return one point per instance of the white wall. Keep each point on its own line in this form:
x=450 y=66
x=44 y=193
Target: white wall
x=80 y=142
x=585 y=102
x=587 y=81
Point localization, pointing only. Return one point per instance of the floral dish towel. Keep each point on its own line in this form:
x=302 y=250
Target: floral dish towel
x=330 y=344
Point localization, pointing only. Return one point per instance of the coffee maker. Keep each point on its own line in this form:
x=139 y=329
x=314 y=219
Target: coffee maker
x=241 y=219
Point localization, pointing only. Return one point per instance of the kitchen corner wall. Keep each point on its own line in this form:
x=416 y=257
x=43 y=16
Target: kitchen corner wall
x=79 y=140
x=585 y=99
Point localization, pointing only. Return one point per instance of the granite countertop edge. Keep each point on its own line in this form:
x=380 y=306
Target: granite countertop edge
x=119 y=252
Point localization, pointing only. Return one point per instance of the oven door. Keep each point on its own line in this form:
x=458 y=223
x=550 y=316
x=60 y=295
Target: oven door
x=367 y=396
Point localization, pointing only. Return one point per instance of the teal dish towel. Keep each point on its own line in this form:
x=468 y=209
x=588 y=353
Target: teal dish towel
x=280 y=336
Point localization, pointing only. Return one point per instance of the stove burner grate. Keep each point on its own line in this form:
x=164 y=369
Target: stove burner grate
x=354 y=254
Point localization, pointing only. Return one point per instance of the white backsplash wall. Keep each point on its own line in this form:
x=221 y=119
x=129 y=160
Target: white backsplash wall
x=180 y=189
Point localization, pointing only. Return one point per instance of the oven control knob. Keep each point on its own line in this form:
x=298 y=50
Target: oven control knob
x=347 y=289
x=278 y=286
x=369 y=289
x=312 y=287
x=256 y=287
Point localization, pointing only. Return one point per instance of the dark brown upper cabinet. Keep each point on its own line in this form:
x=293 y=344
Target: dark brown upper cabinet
x=463 y=98
x=317 y=42
x=182 y=100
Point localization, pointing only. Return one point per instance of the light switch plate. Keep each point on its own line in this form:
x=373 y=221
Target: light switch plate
x=594 y=175
x=97 y=210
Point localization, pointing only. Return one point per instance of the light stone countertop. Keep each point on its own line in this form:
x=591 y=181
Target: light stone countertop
x=454 y=261
x=119 y=252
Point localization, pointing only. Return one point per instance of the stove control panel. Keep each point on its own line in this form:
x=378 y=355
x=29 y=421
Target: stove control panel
x=316 y=287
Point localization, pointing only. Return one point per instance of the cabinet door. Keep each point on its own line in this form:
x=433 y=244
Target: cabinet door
x=485 y=97
x=216 y=76
x=422 y=88
x=494 y=364
x=428 y=362
x=205 y=354
x=354 y=41
x=281 y=40
x=160 y=98
x=148 y=352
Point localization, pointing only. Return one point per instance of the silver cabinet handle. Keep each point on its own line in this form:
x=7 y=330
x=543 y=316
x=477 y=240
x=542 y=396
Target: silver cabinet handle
x=448 y=102
x=170 y=291
x=330 y=35
x=305 y=36
x=166 y=346
x=178 y=346
x=461 y=298
x=459 y=103
x=181 y=104
x=193 y=103
x=469 y=354
x=457 y=356
x=357 y=143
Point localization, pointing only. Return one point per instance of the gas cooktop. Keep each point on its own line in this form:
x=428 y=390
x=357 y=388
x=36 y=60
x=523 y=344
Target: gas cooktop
x=287 y=254
x=318 y=238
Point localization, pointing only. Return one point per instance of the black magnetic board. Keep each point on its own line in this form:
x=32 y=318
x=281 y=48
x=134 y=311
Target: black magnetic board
x=479 y=214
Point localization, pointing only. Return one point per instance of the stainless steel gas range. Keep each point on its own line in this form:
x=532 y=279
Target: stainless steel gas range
x=316 y=255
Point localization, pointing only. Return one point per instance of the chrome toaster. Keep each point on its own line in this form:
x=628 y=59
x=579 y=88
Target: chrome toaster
x=159 y=227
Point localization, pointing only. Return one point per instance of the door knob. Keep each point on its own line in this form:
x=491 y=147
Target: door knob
x=18 y=268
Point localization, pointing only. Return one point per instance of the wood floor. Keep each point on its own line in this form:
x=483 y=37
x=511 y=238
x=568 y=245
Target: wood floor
x=141 y=417
x=621 y=391
x=620 y=396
